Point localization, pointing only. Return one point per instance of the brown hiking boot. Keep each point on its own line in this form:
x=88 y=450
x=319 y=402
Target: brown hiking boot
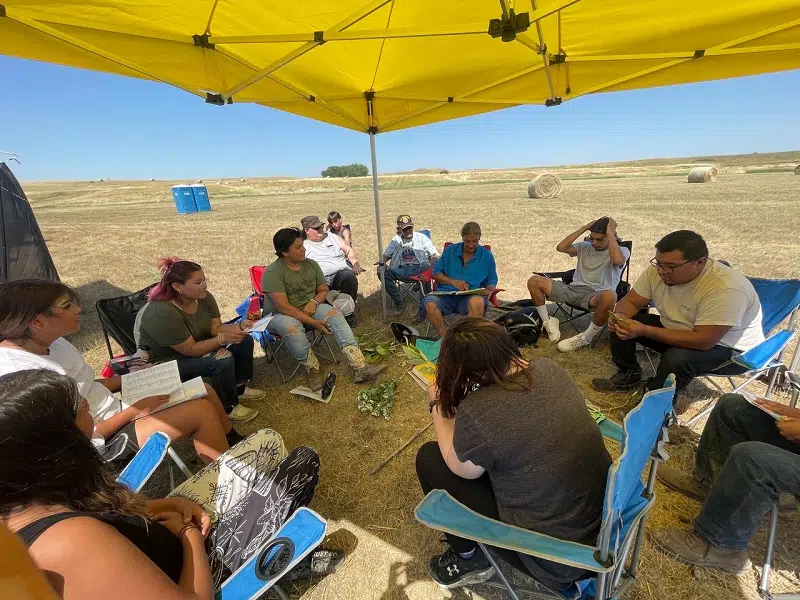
x=314 y=379
x=681 y=482
x=688 y=547
x=368 y=372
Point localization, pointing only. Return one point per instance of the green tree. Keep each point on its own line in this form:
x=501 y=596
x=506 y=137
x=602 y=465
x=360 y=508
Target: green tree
x=354 y=170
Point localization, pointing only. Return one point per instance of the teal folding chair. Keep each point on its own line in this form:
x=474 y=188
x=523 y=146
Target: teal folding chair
x=612 y=562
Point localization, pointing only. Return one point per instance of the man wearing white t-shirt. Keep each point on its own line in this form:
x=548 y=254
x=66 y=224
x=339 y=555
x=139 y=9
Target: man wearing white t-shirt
x=707 y=312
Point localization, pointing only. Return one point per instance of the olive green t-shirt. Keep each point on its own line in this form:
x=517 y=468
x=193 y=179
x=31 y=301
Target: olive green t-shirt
x=161 y=324
x=299 y=286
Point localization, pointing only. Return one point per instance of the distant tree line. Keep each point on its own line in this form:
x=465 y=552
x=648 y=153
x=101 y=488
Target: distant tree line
x=354 y=170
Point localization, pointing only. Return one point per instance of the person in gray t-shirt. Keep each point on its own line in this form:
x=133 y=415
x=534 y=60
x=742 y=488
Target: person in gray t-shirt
x=520 y=447
x=601 y=260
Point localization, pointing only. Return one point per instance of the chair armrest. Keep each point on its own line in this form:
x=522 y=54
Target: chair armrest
x=611 y=430
x=565 y=276
x=493 y=296
x=147 y=459
x=424 y=277
x=760 y=356
x=440 y=511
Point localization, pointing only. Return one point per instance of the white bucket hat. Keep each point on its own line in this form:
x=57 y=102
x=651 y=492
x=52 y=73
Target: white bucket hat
x=344 y=302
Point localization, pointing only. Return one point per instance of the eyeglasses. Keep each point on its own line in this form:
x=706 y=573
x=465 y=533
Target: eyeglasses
x=667 y=268
x=201 y=282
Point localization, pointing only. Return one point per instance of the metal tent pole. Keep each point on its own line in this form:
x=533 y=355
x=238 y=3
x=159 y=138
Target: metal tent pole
x=377 y=215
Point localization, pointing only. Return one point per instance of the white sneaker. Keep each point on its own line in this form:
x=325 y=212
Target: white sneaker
x=573 y=343
x=552 y=327
x=242 y=414
x=252 y=394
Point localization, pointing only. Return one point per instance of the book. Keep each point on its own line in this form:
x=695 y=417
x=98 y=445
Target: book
x=260 y=325
x=475 y=292
x=424 y=374
x=161 y=379
x=306 y=392
x=751 y=398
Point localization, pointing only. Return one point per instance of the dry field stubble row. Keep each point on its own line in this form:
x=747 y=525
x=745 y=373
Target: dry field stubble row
x=105 y=239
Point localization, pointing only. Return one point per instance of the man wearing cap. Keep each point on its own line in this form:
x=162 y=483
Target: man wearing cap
x=600 y=263
x=331 y=253
x=409 y=253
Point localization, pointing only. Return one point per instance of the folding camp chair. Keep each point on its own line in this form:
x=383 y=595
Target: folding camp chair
x=625 y=509
x=780 y=298
x=573 y=312
x=117 y=318
x=301 y=533
x=272 y=344
x=415 y=286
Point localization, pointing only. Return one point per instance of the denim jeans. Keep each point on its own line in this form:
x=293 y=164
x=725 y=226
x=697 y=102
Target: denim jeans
x=401 y=273
x=684 y=362
x=293 y=331
x=226 y=374
x=748 y=464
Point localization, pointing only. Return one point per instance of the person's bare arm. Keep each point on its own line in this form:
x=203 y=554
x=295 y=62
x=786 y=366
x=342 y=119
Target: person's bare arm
x=445 y=430
x=630 y=305
x=456 y=283
x=192 y=348
x=614 y=250
x=346 y=236
x=565 y=245
x=112 y=384
x=281 y=303
x=92 y=561
x=702 y=337
x=141 y=408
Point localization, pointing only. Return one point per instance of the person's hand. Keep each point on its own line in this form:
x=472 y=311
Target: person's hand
x=322 y=326
x=611 y=325
x=357 y=268
x=789 y=428
x=778 y=408
x=245 y=324
x=611 y=228
x=231 y=336
x=461 y=286
x=310 y=308
x=190 y=511
x=145 y=406
x=629 y=329
x=588 y=226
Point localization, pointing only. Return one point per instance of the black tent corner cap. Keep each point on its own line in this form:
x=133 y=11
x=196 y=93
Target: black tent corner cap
x=216 y=99
x=372 y=130
x=2 y=11
x=557 y=59
x=319 y=36
x=202 y=41
x=312 y=98
x=699 y=53
x=369 y=96
x=508 y=27
x=553 y=101
x=450 y=99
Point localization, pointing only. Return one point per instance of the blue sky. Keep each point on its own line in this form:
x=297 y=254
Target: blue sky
x=72 y=124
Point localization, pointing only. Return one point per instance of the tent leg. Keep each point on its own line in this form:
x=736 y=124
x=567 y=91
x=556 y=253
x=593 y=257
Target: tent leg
x=377 y=215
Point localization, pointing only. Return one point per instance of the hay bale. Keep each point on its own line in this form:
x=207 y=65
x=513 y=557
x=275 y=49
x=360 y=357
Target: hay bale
x=797 y=170
x=704 y=174
x=545 y=185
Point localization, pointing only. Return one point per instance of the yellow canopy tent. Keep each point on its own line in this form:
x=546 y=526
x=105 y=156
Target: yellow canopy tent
x=383 y=65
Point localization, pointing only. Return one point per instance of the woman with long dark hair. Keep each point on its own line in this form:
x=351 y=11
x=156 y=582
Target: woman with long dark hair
x=514 y=442
x=182 y=322
x=36 y=314
x=95 y=539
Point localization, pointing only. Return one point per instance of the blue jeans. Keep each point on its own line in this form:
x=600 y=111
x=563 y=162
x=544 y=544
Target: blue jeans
x=748 y=464
x=293 y=331
x=401 y=273
x=227 y=375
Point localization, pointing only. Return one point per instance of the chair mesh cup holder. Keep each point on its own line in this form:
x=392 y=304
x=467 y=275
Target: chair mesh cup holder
x=274 y=559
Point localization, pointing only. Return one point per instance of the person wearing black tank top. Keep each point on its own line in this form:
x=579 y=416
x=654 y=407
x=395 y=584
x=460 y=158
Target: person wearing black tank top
x=95 y=539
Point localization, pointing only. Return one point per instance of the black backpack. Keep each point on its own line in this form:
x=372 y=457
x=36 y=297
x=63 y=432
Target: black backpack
x=524 y=325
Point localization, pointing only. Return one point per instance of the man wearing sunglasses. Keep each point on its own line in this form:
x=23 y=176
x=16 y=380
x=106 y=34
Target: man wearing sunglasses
x=600 y=263
x=707 y=311
x=332 y=254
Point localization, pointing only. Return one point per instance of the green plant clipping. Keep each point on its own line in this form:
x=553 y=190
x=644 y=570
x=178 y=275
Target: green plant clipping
x=376 y=352
x=414 y=355
x=378 y=400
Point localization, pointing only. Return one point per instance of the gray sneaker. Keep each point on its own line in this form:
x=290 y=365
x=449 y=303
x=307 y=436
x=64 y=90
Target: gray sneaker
x=369 y=372
x=681 y=482
x=688 y=547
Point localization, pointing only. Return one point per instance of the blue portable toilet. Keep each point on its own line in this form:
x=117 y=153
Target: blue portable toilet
x=184 y=199
x=201 y=197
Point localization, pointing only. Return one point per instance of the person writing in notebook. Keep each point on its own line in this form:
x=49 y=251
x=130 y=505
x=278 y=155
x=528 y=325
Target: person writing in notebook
x=463 y=266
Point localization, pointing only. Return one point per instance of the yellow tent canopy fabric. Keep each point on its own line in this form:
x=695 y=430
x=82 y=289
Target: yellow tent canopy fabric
x=384 y=65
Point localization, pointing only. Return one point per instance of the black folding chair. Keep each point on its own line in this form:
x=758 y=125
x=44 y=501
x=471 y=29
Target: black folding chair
x=117 y=317
x=573 y=312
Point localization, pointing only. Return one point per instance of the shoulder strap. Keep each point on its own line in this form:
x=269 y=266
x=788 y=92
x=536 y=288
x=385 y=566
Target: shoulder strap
x=31 y=532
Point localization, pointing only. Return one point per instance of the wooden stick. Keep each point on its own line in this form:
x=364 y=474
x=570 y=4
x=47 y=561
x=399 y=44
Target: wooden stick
x=401 y=448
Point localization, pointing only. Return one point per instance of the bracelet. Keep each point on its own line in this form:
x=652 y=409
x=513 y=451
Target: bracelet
x=219 y=339
x=240 y=326
x=183 y=531
x=314 y=300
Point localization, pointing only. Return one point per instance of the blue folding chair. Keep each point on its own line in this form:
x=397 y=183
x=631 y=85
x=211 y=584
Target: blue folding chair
x=780 y=298
x=298 y=536
x=625 y=509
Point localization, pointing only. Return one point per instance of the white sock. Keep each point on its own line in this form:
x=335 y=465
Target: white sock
x=542 y=310
x=592 y=331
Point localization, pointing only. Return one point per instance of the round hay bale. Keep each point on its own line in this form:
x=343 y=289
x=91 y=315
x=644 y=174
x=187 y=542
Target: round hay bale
x=704 y=174
x=545 y=185
x=797 y=170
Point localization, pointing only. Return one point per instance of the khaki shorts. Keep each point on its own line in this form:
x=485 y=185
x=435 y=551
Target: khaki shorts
x=574 y=295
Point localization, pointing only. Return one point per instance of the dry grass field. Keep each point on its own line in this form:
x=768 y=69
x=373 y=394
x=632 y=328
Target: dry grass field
x=105 y=238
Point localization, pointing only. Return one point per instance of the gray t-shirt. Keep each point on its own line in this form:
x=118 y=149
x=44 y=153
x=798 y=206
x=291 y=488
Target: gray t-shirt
x=544 y=455
x=595 y=268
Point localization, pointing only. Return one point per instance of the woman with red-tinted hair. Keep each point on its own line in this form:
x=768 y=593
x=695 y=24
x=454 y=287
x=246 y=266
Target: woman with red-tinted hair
x=182 y=322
